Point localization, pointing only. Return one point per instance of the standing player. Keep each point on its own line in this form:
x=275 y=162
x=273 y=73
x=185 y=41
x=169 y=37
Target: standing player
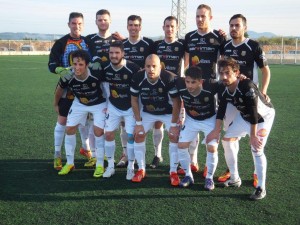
x=198 y=97
x=203 y=44
x=99 y=47
x=255 y=118
x=119 y=74
x=171 y=52
x=250 y=57
x=155 y=87
x=137 y=48
x=59 y=62
x=100 y=42
x=88 y=99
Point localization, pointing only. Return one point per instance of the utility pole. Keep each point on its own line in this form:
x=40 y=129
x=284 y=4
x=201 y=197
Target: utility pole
x=179 y=11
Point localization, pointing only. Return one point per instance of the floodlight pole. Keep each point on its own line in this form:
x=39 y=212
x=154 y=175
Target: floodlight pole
x=179 y=11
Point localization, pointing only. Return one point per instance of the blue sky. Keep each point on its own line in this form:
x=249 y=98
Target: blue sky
x=51 y=17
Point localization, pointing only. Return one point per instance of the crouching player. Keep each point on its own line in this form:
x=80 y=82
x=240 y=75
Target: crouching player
x=199 y=104
x=255 y=119
x=88 y=99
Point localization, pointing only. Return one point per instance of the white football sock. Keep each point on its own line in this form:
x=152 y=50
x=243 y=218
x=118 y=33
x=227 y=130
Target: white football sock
x=130 y=155
x=231 y=149
x=193 y=150
x=92 y=141
x=139 y=153
x=99 y=142
x=110 y=147
x=59 y=134
x=260 y=168
x=124 y=139
x=70 y=145
x=173 y=154
x=84 y=135
x=184 y=159
x=211 y=163
x=158 y=135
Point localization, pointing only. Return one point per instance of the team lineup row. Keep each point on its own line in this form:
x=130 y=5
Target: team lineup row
x=136 y=85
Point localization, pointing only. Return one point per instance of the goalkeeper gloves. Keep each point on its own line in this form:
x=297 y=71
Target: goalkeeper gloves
x=64 y=73
x=95 y=64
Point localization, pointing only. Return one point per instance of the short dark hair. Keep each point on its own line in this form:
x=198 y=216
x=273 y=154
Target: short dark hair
x=171 y=18
x=237 y=16
x=102 y=12
x=134 y=17
x=228 y=62
x=194 y=72
x=75 y=15
x=81 y=54
x=117 y=44
x=204 y=6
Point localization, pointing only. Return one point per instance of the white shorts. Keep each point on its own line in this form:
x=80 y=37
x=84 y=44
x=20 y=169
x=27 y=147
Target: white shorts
x=149 y=120
x=191 y=128
x=115 y=116
x=78 y=114
x=240 y=128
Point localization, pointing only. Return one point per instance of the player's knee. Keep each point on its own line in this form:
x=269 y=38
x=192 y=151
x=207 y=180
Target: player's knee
x=71 y=130
x=158 y=125
x=212 y=148
x=183 y=144
x=138 y=138
x=98 y=131
x=257 y=153
x=230 y=139
x=109 y=136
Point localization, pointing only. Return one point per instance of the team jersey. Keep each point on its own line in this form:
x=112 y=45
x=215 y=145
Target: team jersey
x=119 y=84
x=249 y=56
x=138 y=52
x=99 y=46
x=170 y=54
x=248 y=100
x=155 y=96
x=204 y=51
x=87 y=91
x=203 y=105
x=60 y=54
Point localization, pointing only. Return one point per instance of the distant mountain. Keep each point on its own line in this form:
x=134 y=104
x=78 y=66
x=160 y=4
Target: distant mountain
x=255 y=35
x=33 y=36
x=37 y=36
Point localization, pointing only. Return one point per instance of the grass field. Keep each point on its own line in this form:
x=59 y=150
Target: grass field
x=31 y=192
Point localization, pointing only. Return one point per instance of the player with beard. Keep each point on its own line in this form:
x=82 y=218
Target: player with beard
x=250 y=57
x=118 y=74
x=99 y=47
x=255 y=118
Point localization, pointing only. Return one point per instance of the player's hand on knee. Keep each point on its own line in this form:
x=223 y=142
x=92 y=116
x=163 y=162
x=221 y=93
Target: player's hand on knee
x=256 y=143
x=174 y=133
x=213 y=135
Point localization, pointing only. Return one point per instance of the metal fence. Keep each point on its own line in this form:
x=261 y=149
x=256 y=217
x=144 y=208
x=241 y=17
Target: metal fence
x=280 y=53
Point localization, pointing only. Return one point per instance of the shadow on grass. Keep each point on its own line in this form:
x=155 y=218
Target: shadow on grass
x=36 y=180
